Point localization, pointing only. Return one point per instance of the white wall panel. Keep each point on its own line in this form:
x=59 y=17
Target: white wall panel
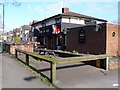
x=65 y=20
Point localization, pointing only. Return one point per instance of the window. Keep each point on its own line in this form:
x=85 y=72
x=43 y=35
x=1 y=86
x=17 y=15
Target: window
x=87 y=21
x=90 y=22
x=32 y=29
x=58 y=20
x=43 y=24
x=69 y=20
x=44 y=40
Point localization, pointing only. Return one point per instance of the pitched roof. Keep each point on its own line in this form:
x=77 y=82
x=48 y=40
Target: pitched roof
x=26 y=27
x=70 y=14
x=81 y=16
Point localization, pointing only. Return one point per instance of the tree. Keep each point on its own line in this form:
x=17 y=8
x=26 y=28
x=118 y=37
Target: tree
x=16 y=39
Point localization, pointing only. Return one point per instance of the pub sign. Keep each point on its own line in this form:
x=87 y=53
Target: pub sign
x=82 y=36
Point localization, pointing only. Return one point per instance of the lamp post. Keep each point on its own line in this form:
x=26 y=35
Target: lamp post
x=3 y=23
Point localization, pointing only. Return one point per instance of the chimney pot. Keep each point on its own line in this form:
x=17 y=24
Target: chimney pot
x=65 y=10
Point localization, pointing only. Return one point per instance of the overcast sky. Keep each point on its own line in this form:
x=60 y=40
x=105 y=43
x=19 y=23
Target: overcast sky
x=16 y=16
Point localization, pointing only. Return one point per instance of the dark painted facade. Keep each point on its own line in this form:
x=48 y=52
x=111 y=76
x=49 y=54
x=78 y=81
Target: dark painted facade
x=86 y=40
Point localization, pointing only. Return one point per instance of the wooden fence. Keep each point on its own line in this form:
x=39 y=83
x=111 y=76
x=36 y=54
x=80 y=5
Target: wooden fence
x=53 y=62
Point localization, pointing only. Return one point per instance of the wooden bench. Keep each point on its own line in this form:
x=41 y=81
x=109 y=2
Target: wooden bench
x=46 y=52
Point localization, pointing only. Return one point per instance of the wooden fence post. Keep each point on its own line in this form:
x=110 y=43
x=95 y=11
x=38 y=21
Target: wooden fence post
x=27 y=59
x=107 y=63
x=98 y=63
x=53 y=72
x=16 y=55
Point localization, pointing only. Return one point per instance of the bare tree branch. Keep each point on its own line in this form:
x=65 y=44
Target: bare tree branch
x=13 y=2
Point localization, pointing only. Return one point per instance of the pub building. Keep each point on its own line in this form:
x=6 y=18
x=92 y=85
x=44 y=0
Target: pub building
x=72 y=31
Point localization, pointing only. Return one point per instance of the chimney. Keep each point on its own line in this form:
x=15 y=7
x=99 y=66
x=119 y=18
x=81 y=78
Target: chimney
x=65 y=10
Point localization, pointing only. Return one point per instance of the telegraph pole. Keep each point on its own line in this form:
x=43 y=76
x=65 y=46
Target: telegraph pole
x=15 y=3
x=3 y=24
x=3 y=17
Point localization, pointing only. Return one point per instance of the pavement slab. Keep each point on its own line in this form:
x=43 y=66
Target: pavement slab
x=15 y=75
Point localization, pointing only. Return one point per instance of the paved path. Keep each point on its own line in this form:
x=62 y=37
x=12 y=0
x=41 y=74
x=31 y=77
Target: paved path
x=16 y=76
x=71 y=75
x=0 y=71
x=87 y=77
x=79 y=75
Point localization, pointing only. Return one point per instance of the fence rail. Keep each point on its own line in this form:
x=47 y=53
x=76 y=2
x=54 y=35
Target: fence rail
x=53 y=62
x=43 y=58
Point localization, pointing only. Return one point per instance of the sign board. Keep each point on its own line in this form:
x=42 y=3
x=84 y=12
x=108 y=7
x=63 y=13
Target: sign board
x=82 y=36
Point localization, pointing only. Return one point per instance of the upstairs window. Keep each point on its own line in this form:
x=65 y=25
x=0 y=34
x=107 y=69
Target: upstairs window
x=58 y=20
x=89 y=22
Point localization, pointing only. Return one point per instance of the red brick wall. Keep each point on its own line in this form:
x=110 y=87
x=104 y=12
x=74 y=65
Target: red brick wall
x=112 y=41
x=95 y=40
x=28 y=48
